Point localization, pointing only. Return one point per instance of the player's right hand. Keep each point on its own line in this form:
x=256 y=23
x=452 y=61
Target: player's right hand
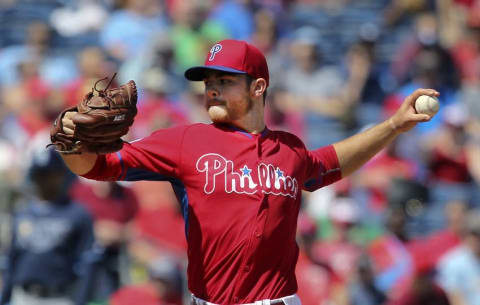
x=406 y=117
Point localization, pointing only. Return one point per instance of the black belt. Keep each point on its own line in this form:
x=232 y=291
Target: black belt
x=43 y=291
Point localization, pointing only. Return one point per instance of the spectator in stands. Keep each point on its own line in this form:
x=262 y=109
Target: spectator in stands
x=318 y=92
x=265 y=32
x=472 y=146
x=401 y=11
x=317 y=281
x=159 y=221
x=445 y=152
x=55 y=68
x=339 y=22
x=27 y=101
x=446 y=158
x=156 y=108
x=427 y=71
x=129 y=29
x=391 y=260
x=268 y=38
x=422 y=291
x=459 y=272
x=49 y=237
x=368 y=76
x=425 y=37
x=155 y=60
x=363 y=289
x=92 y=65
x=236 y=16
x=278 y=116
x=427 y=250
x=113 y=207
x=422 y=61
x=81 y=20
x=337 y=250
x=376 y=177
x=466 y=47
x=193 y=32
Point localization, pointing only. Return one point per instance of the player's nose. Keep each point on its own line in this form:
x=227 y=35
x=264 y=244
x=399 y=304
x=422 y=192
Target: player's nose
x=211 y=91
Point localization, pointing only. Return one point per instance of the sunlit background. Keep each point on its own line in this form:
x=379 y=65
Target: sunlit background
x=403 y=230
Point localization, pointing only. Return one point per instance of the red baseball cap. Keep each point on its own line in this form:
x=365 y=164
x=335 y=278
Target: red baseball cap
x=233 y=56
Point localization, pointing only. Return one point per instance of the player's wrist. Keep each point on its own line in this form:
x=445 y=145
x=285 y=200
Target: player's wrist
x=394 y=125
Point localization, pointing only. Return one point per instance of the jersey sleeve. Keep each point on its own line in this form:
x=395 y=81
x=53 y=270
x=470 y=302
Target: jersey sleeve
x=322 y=167
x=156 y=157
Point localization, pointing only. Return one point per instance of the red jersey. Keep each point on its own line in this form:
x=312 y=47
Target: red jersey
x=122 y=199
x=240 y=195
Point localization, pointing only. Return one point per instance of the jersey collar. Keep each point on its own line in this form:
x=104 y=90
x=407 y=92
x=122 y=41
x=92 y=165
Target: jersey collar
x=242 y=132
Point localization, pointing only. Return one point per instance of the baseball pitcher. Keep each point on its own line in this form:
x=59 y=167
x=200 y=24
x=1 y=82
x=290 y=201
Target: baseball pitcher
x=239 y=183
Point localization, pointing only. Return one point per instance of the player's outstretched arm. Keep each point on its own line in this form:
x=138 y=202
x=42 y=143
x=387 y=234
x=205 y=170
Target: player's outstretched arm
x=355 y=151
x=78 y=163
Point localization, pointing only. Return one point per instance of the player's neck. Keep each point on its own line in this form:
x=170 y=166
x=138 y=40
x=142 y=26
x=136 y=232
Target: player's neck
x=252 y=122
x=251 y=128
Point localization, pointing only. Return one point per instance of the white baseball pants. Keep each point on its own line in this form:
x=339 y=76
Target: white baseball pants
x=288 y=300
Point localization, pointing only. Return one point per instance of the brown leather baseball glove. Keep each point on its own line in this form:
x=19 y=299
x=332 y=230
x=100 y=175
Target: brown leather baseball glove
x=101 y=119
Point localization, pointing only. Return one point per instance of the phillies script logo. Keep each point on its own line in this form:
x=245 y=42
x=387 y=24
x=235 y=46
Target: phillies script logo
x=215 y=49
x=267 y=178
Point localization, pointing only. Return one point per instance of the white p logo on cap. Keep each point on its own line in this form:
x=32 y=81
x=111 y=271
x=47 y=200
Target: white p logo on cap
x=215 y=49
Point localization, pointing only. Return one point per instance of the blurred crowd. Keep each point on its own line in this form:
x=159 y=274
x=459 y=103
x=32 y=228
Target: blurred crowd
x=403 y=230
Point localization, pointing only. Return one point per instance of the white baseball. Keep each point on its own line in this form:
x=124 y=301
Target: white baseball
x=426 y=104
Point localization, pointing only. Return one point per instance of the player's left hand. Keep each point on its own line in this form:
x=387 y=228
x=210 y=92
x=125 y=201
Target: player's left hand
x=406 y=117
x=98 y=122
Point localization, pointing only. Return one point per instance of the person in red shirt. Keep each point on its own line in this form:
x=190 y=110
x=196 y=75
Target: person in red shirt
x=317 y=281
x=338 y=250
x=378 y=174
x=446 y=151
x=239 y=182
x=423 y=290
x=92 y=63
x=112 y=207
x=427 y=251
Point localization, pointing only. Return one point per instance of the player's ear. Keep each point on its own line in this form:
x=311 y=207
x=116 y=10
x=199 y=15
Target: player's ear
x=258 y=87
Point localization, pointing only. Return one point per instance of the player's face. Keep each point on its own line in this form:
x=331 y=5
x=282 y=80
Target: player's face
x=226 y=96
x=49 y=185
